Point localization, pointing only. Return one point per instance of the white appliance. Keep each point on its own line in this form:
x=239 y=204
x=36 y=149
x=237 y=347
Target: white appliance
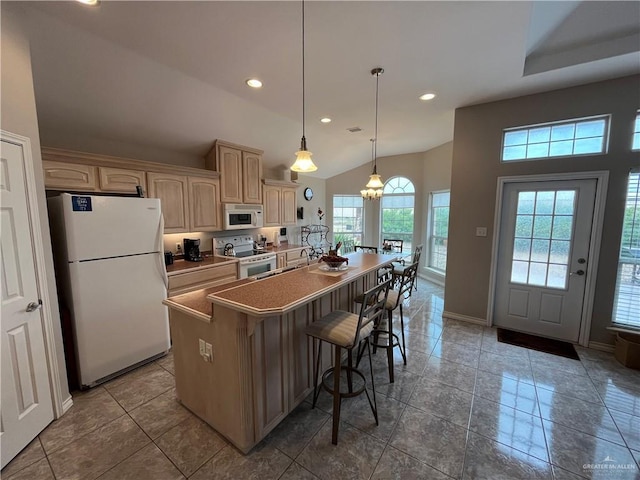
x=252 y=260
x=111 y=273
x=238 y=216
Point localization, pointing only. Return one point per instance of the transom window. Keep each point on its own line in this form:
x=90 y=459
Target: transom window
x=636 y=134
x=562 y=139
x=439 y=230
x=544 y=228
x=348 y=223
x=626 y=308
x=397 y=208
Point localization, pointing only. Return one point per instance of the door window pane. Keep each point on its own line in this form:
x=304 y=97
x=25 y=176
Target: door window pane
x=439 y=230
x=348 y=221
x=542 y=241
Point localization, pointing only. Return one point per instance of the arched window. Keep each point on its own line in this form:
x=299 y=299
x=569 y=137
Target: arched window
x=396 y=210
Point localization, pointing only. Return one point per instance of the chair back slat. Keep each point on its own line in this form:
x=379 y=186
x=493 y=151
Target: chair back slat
x=372 y=307
x=365 y=249
x=408 y=279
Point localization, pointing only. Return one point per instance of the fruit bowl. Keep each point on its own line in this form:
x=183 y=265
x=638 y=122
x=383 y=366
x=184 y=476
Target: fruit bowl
x=334 y=262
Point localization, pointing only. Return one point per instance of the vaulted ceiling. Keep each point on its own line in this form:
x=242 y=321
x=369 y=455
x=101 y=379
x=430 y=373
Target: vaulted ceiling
x=169 y=77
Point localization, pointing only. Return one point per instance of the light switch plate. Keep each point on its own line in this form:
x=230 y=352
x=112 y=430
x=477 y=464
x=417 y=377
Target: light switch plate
x=481 y=231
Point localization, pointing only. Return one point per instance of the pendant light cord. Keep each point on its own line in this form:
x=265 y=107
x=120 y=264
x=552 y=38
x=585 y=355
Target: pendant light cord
x=375 y=144
x=303 y=109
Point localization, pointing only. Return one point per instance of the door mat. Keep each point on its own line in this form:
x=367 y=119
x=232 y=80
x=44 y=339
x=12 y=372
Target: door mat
x=547 y=345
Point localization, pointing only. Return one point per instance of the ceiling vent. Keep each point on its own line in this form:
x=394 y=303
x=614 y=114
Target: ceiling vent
x=354 y=129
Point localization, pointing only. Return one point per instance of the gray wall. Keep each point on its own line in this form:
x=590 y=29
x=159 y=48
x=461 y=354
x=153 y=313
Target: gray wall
x=18 y=114
x=476 y=167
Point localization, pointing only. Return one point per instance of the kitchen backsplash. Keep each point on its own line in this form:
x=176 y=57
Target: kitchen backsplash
x=206 y=238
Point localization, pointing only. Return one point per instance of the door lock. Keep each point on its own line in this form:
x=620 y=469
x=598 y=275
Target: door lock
x=34 y=306
x=581 y=261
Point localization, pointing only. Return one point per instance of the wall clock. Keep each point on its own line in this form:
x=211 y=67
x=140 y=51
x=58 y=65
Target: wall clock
x=308 y=193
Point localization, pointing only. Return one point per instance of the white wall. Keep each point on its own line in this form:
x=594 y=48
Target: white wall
x=18 y=115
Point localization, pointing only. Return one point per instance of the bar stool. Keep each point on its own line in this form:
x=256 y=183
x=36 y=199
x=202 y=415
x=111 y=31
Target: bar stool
x=398 y=267
x=383 y=336
x=346 y=330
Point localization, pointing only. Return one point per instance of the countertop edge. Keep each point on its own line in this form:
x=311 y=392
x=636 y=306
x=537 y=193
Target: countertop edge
x=191 y=312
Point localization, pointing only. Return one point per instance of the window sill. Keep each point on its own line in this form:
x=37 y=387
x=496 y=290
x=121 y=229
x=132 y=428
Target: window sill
x=616 y=327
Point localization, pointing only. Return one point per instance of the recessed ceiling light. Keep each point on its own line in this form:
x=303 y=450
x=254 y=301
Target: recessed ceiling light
x=254 y=83
x=92 y=3
x=325 y=120
x=428 y=96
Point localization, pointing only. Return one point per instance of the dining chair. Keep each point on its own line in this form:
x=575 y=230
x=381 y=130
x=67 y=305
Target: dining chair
x=394 y=245
x=365 y=249
x=399 y=267
x=346 y=330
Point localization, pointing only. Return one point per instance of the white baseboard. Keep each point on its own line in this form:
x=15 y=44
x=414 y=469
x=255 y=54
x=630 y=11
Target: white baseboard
x=67 y=404
x=465 y=318
x=604 y=347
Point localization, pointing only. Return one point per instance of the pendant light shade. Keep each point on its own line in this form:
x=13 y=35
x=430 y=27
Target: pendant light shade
x=303 y=162
x=373 y=189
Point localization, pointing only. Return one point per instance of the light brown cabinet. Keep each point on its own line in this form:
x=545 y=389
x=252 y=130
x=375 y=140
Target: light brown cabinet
x=240 y=171
x=202 y=277
x=70 y=176
x=279 y=199
x=290 y=258
x=121 y=180
x=204 y=204
x=190 y=197
x=172 y=190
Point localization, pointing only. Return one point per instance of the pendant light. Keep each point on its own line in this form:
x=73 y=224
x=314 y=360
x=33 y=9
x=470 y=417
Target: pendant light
x=303 y=162
x=373 y=189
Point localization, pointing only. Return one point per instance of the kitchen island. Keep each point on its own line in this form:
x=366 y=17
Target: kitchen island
x=259 y=364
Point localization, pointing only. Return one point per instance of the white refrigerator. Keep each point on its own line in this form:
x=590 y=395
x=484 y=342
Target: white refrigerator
x=110 y=270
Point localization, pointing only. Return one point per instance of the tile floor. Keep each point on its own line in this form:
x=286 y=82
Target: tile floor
x=465 y=406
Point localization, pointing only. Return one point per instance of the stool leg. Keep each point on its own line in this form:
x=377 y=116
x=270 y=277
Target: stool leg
x=390 y=346
x=336 y=396
x=349 y=374
x=404 y=347
x=316 y=390
x=374 y=406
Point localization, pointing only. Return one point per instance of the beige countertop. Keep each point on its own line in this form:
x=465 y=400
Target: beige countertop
x=283 y=247
x=281 y=293
x=182 y=266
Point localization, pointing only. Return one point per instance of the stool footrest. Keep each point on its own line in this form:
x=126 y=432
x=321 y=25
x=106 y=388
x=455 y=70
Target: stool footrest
x=345 y=368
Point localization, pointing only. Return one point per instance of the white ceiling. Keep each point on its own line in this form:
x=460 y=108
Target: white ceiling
x=170 y=76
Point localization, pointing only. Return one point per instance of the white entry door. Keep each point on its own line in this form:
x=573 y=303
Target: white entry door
x=26 y=407
x=545 y=233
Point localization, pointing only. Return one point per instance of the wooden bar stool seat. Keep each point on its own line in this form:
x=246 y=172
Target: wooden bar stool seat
x=346 y=330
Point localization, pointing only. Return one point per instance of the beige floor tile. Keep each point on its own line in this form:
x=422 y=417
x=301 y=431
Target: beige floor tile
x=147 y=463
x=90 y=410
x=160 y=414
x=39 y=470
x=140 y=386
x=95 y=453
x=190 y=444
x=30 y=455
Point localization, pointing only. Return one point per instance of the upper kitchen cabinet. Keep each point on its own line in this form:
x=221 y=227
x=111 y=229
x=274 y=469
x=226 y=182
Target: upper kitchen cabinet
x=240 y=171
x=204 y=200
x=172 y=190
x=190 y=197
x=69 y=176
x=279 y=203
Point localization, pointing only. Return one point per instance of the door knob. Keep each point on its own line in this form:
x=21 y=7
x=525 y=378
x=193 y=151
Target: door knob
x=34 y=306
x=579 y=272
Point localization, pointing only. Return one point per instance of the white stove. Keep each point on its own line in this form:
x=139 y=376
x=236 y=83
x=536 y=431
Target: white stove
x=253 y=259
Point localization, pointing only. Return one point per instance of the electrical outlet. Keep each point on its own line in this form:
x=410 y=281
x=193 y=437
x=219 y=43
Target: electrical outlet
x=178 y=247
x=202 y=345
x=208 y=356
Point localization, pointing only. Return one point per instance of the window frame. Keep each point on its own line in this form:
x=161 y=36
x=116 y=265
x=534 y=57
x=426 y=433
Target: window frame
x=347 y=246
x=408 y=244
x=575 y=122
x=431 y=229
x=635 y=135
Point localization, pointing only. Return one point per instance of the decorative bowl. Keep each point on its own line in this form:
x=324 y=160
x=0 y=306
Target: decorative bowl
x=334 y=262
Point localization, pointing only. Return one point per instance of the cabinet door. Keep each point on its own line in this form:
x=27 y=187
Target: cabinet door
x=288 y=202
x=230 y=168
x=204 y=204
x=251 y=178
x=281 y=260
x=120 y=180
x=272 y=201
x=69 y=176
x=172 y=192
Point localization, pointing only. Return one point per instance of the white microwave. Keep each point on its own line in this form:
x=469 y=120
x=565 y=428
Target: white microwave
x=239 y=216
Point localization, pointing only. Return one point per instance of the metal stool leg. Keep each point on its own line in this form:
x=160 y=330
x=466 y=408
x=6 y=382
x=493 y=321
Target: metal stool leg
x=336 y=396
x=316 y=389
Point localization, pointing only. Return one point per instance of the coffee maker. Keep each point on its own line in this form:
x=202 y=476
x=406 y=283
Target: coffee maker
x=192 y=250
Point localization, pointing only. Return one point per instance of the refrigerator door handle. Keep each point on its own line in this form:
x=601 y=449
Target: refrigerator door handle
x=163 y=269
